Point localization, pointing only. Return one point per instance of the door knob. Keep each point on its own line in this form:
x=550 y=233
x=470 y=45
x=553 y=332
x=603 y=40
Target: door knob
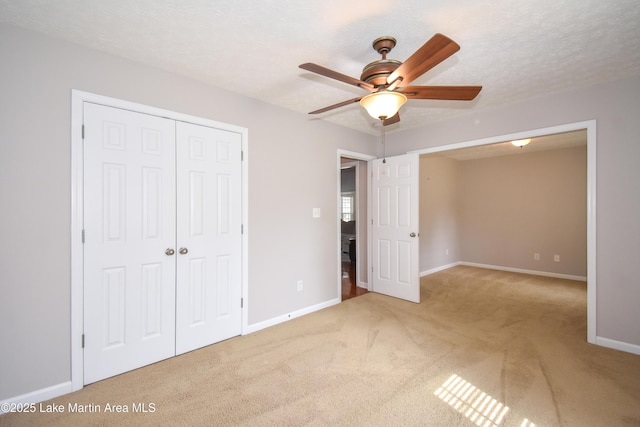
x=183 y=251
x=412 y=235
x=169 y=252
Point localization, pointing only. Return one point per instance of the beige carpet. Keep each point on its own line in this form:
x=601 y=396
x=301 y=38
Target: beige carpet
x=484 y=348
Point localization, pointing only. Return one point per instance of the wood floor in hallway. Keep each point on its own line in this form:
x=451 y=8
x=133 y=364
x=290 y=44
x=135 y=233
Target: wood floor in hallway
x=349 y=287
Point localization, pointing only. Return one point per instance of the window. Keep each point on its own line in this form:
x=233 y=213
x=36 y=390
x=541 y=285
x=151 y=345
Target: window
x=348 y=208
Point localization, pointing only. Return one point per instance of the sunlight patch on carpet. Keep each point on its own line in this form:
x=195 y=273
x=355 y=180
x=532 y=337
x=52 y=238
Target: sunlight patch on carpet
x=473 y=403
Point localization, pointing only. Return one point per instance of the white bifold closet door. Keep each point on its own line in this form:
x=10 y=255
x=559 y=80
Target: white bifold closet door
x=162 y=252
x=209 y=236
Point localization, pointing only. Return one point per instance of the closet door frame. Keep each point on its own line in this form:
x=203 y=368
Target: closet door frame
x=78 y=98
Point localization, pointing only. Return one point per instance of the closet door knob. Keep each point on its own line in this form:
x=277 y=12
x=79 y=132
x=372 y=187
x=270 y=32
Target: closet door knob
x=183 y=251
x=169 y=252
x=412 y=235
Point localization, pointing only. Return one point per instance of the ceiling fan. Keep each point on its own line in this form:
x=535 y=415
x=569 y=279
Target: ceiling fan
x=387 y=79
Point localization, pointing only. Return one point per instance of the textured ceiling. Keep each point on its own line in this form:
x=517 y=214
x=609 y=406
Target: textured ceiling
x=514 y=49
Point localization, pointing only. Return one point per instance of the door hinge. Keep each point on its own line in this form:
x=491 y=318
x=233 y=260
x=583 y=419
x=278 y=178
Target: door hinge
x=241 y=155
x=241 y=302
x=82 y=340
x=82 y=131
x=241 y=228
x=83 y=236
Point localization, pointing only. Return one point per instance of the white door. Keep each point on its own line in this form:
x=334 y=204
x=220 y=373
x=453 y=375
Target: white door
x=394 y=228
x=209 y=236
x=129 y=223
x=163 y=241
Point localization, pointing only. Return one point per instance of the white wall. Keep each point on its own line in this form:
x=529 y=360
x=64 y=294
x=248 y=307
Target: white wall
x=616 y=107
x=286 y=244
x=531 y=202
x=439 y=237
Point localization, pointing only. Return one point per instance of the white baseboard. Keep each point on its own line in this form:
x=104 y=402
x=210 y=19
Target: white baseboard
x=523 y=271
x=435 y=270
x=502 y=268
x=38 y=396
x=618 y=345
x=284 y=318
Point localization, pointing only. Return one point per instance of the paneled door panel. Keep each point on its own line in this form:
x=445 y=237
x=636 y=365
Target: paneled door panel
x=209 y=236
x=129 y=215
x=394 y=230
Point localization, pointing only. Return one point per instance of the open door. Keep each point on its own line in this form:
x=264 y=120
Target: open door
x=394 y=227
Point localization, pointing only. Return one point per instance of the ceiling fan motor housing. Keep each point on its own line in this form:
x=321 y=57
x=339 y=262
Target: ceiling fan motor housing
x=376 y=72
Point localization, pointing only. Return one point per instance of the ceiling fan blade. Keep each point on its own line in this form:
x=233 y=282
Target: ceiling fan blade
x=434 y=51
x=338 y=105
x=391 y=120
x=323 y=71
x=456 y=93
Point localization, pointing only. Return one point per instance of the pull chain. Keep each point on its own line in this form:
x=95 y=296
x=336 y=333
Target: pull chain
x=384 y=147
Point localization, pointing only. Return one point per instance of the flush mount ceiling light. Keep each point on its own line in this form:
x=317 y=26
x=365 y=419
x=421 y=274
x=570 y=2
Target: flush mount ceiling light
x=383 y=105
x=521 y=142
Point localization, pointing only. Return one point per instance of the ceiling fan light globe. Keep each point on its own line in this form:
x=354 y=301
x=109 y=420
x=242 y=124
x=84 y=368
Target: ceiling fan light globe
x=384 y=104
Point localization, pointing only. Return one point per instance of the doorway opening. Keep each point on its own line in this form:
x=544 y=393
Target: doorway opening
x=590 y=128
x=352 y=224
x=349 y=220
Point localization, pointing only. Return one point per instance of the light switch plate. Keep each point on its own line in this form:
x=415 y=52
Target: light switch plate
x=316 y=212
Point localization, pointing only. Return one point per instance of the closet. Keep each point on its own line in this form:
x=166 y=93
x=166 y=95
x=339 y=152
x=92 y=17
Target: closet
x=162 y=238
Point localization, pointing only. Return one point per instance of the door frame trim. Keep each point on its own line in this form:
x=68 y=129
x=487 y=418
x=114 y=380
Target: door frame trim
x=78 y=98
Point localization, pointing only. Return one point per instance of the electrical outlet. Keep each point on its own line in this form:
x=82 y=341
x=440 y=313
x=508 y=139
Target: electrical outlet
x=556 y=258
x=536 y=256
x=300 y=285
